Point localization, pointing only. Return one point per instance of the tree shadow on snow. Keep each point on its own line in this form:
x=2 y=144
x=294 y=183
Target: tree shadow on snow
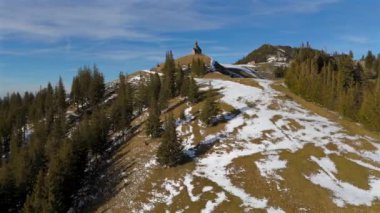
x=203 y=147
x=105 y=181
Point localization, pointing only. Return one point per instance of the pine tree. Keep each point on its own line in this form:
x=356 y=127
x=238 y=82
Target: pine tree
x=210 y=108
x=198 y=67
x=122 y=109
x=185 y=86
x=57 y=180
x=170 y=151
x=376 y=66
x=60 y=96
x=141 y=97
x=75 y=94
x=15 y=143
x=154 y=86
x=168 y=84
x=66 y=172
x=178 y=80
x=99 y=127
x=153 y=125
x=88 y=87
x=97 y=87
x=193 y=91
x=8 y=198
x=370 y=109
x=369 y=61
x=84 y=79
x=334 y=81
x=37 y=200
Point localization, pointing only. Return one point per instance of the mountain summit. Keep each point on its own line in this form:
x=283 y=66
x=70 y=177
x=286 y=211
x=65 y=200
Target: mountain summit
x=268 y=53
x=197 y=49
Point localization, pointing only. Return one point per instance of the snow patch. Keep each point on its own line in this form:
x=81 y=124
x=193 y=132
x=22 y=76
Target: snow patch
x=152 y=72
x=270 y=165
x=325 y=163
x=345 y=193
x=153 y=162
x=275 y=210
x=364 y=164
x=211 y=205
x=207 y=188
x=172 y=189
x=187 y=182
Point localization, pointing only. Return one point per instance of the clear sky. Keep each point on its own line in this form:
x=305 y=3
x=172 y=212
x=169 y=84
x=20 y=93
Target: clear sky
x=41 y=40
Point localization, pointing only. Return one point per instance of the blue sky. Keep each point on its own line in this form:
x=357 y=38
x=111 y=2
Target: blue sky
x=41 y=40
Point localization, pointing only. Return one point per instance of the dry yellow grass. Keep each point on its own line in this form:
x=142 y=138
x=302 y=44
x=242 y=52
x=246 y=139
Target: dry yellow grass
x=351 y=172
x=187 y=59
x=296 y=191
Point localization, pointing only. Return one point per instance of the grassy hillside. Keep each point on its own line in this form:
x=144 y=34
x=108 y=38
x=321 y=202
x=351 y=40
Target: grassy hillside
x=271 y=147
x=187 y=59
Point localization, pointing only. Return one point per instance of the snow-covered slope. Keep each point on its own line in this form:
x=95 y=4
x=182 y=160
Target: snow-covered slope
x=315 y=130
x=274 y=155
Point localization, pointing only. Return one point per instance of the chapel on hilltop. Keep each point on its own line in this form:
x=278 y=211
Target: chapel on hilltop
x=196 y=49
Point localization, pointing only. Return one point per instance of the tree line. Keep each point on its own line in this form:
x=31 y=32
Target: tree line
x=338 y=82
x=43 y=156
x=46 y=157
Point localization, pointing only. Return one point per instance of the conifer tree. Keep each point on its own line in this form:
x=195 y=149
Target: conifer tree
x=97 y=87
x=57 y=182
x=376 y=65
x=75 y=94
x=15 y=143
x=7 y=188
x=141 y=96
x=168 y=84
x=336 y=82
x=60 y=96
x=153 y=125
x=122 y=109
x=88 y=87
x=178 y=80
x=369 y=61
x=193 y=91
x=154 y=86
x=49 y=106
x=47 y=165
x=210 y=108
x=198 y=67
x=170 y=151
x=37 y=200
x=370 y=109
x=185 y=86
x=99 y=127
